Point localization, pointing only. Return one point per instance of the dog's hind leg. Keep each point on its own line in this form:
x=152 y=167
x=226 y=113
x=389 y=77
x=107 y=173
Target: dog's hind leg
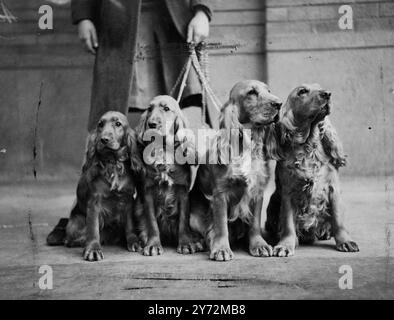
x=58 y=235
x=76 y=229
x=69 y=231
x=342 y=238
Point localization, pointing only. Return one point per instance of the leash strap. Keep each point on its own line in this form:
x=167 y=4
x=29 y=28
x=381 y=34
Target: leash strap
x=204 y=82
x=182 y=78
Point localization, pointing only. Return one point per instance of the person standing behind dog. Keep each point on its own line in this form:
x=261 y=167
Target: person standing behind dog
x=140 y=49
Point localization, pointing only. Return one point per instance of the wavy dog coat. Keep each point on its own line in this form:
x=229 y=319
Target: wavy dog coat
x=234 y=189
x=306 y=203
x=104 y=208
x=167 y=183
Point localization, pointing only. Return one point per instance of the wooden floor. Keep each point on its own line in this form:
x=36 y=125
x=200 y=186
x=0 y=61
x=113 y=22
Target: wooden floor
x=29 y=211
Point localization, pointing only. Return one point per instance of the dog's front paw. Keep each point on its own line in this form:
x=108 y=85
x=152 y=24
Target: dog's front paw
x=153 y=249
x=93 y=252
x=221 y=253
x=348 y=246
x=190 y=246
x=283 y=250
x=260 y=248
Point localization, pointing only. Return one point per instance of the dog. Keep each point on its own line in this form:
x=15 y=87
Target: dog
x=233 y=189
x=104 y=208
x=167 y=183
x=306 y=203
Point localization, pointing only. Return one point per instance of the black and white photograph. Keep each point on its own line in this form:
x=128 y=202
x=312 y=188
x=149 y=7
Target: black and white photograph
x=200 y=151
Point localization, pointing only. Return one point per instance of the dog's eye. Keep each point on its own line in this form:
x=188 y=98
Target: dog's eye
x=100 y=124
x=166 y=108
x=302 y=91
x=118 y=124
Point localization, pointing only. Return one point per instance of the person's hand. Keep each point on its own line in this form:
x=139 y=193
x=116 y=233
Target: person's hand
x=198 y=29
x=88 y=35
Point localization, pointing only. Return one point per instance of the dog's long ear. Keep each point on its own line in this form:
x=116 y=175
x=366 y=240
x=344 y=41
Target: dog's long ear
x=141 y=127
x=286 y=121
x=90 y=149
x=272 y=140
x=229 y=121
x=180 y=121
x=332 y=145
x=136 y=162
x=286 y=116
x=229 y=116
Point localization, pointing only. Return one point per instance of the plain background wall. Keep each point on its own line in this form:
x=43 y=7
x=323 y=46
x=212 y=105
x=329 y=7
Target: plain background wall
x=305 y=44
x=283 y=42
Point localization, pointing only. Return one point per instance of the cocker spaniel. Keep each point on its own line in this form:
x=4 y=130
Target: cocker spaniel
x=306 y=204
x=167 y=181
x=104 y=208
x=234 y=186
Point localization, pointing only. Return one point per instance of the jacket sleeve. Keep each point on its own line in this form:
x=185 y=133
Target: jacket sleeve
x=204 y=5
x=84 y=9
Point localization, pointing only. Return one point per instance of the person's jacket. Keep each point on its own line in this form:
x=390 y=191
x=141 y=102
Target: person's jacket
x=117 y=24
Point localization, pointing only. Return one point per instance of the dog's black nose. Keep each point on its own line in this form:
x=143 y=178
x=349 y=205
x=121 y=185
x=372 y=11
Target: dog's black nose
x=104 y=140
x=277 y=105
x=152 y=125
x=325 y=94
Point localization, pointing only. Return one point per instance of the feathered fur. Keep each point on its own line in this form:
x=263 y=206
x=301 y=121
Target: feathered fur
x=104 y=211
x=167 y=183
x=234 y=186
x=305 y=205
